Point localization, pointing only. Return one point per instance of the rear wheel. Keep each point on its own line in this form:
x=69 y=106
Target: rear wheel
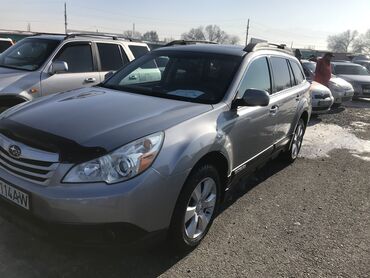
x=296 y=142
x=196 y=208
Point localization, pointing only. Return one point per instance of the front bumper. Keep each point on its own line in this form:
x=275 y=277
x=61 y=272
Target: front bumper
x=321 y=105
x=342 y=96
x=145 y=202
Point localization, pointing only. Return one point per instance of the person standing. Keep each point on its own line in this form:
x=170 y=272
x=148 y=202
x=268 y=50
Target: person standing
x=323 y=69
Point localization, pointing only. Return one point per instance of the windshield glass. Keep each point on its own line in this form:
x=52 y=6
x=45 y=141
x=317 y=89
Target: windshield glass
x=28 y=54
x=194 y=77
x=350 y=70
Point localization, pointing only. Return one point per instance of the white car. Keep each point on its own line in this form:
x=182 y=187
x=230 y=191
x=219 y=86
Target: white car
x=5 y=43
x=322 y=98
x=341 y=90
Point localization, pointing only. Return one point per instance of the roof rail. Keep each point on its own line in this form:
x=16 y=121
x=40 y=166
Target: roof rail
x=102 y=35
x=186 y=42
x=267 y=46
x=45 y=33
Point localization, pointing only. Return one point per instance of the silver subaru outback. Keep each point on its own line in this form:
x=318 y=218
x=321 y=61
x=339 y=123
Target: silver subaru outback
x=141 y=155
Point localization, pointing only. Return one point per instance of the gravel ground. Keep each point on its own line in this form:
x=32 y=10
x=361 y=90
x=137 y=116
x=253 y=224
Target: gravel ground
x=308 y=219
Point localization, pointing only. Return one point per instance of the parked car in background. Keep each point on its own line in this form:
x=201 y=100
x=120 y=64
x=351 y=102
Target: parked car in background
x=355 y=74
x=322 y=98
x=155 y=156
x=5 y=44
x=364 y=63
x=45 y=64
x=361 y=57
x=340 y=89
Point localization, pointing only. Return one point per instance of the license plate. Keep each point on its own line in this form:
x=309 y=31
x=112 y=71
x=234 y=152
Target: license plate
x=14 y=195
x=366 y=91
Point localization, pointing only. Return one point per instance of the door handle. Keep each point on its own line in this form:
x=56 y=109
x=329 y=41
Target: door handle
x=90 y=80
x=274 y=109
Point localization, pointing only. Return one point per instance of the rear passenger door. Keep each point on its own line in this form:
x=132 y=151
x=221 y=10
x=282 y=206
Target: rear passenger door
x=111 y=57
x=82 y=69
x=285 y=97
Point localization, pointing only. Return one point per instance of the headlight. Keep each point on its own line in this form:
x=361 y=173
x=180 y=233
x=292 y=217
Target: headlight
x=122 y=164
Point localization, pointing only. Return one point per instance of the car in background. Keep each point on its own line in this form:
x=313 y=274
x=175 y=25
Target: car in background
x=46 y=64
x=322 y=99
x=355 y=74
x=364 y=63
x=341 y=90
x=361 y=57
x=151 y=157
x=5 y=44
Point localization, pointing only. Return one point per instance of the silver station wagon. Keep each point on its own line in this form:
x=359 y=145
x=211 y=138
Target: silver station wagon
x=142 y=155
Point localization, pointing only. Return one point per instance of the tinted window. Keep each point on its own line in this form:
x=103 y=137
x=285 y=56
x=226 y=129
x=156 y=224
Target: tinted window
x=193 y=77
x=78 y=58
x=4 y=45
x=138 y=51
x=281 y=73
x=297 y=72
x=28 y=54
x=110 y=56
x=257 y=77
x=350 y=69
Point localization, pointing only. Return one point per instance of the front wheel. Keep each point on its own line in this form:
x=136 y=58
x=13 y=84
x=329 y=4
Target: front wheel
x=296 y=142
x=196 y=208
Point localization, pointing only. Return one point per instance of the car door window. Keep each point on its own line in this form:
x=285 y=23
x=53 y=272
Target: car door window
x=78 y=57
x=138 y=50
x=111 y=56
x=256 y=77
x=298 y=75
x=281 y=73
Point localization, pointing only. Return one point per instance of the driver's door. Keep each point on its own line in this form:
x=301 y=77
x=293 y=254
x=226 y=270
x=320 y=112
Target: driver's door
x=82 y=69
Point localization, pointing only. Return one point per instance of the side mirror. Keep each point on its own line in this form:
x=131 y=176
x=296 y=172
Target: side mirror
x=108 y=75
x=58 y=67
x=252 y=97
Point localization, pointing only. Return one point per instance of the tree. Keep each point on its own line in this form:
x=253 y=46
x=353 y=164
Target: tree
x=129 y=34
x=151 y=36
x=342 y=42
x=362 y=43
x=194 y=34
x=211 y=33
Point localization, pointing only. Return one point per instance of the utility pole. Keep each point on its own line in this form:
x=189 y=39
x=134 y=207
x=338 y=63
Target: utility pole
x=133 y=30
x=65 y=18
x=28 y=27
x=246 y=35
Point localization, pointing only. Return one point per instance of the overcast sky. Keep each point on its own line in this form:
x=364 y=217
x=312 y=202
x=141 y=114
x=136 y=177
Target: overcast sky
x=305 y=23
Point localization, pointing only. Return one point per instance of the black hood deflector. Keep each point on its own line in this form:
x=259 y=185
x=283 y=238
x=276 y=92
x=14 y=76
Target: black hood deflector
x=68 y=150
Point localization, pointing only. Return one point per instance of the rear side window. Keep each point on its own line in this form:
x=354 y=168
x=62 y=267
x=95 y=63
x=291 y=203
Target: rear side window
x=138 y=50
x=78 y=58
x=4 y=45
x=111 y=56
x=281 y=74
x=256 y=77
x=299 y=77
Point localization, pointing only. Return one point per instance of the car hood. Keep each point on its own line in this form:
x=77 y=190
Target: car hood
x=356 y=78
x=341 y=82
x=93 y=118
x=8 y=77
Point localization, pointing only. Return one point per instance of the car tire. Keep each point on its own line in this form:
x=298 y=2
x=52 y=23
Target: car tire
x=196 y=208
x=295 y=144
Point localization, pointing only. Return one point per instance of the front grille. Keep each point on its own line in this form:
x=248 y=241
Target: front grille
x=34 y=170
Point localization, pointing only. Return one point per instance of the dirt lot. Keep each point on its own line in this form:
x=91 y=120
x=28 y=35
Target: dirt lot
x=309 y=219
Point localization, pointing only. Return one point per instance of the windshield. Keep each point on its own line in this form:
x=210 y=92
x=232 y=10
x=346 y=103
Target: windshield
x=194 y=77
x=350 y=70
x=28 y=54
